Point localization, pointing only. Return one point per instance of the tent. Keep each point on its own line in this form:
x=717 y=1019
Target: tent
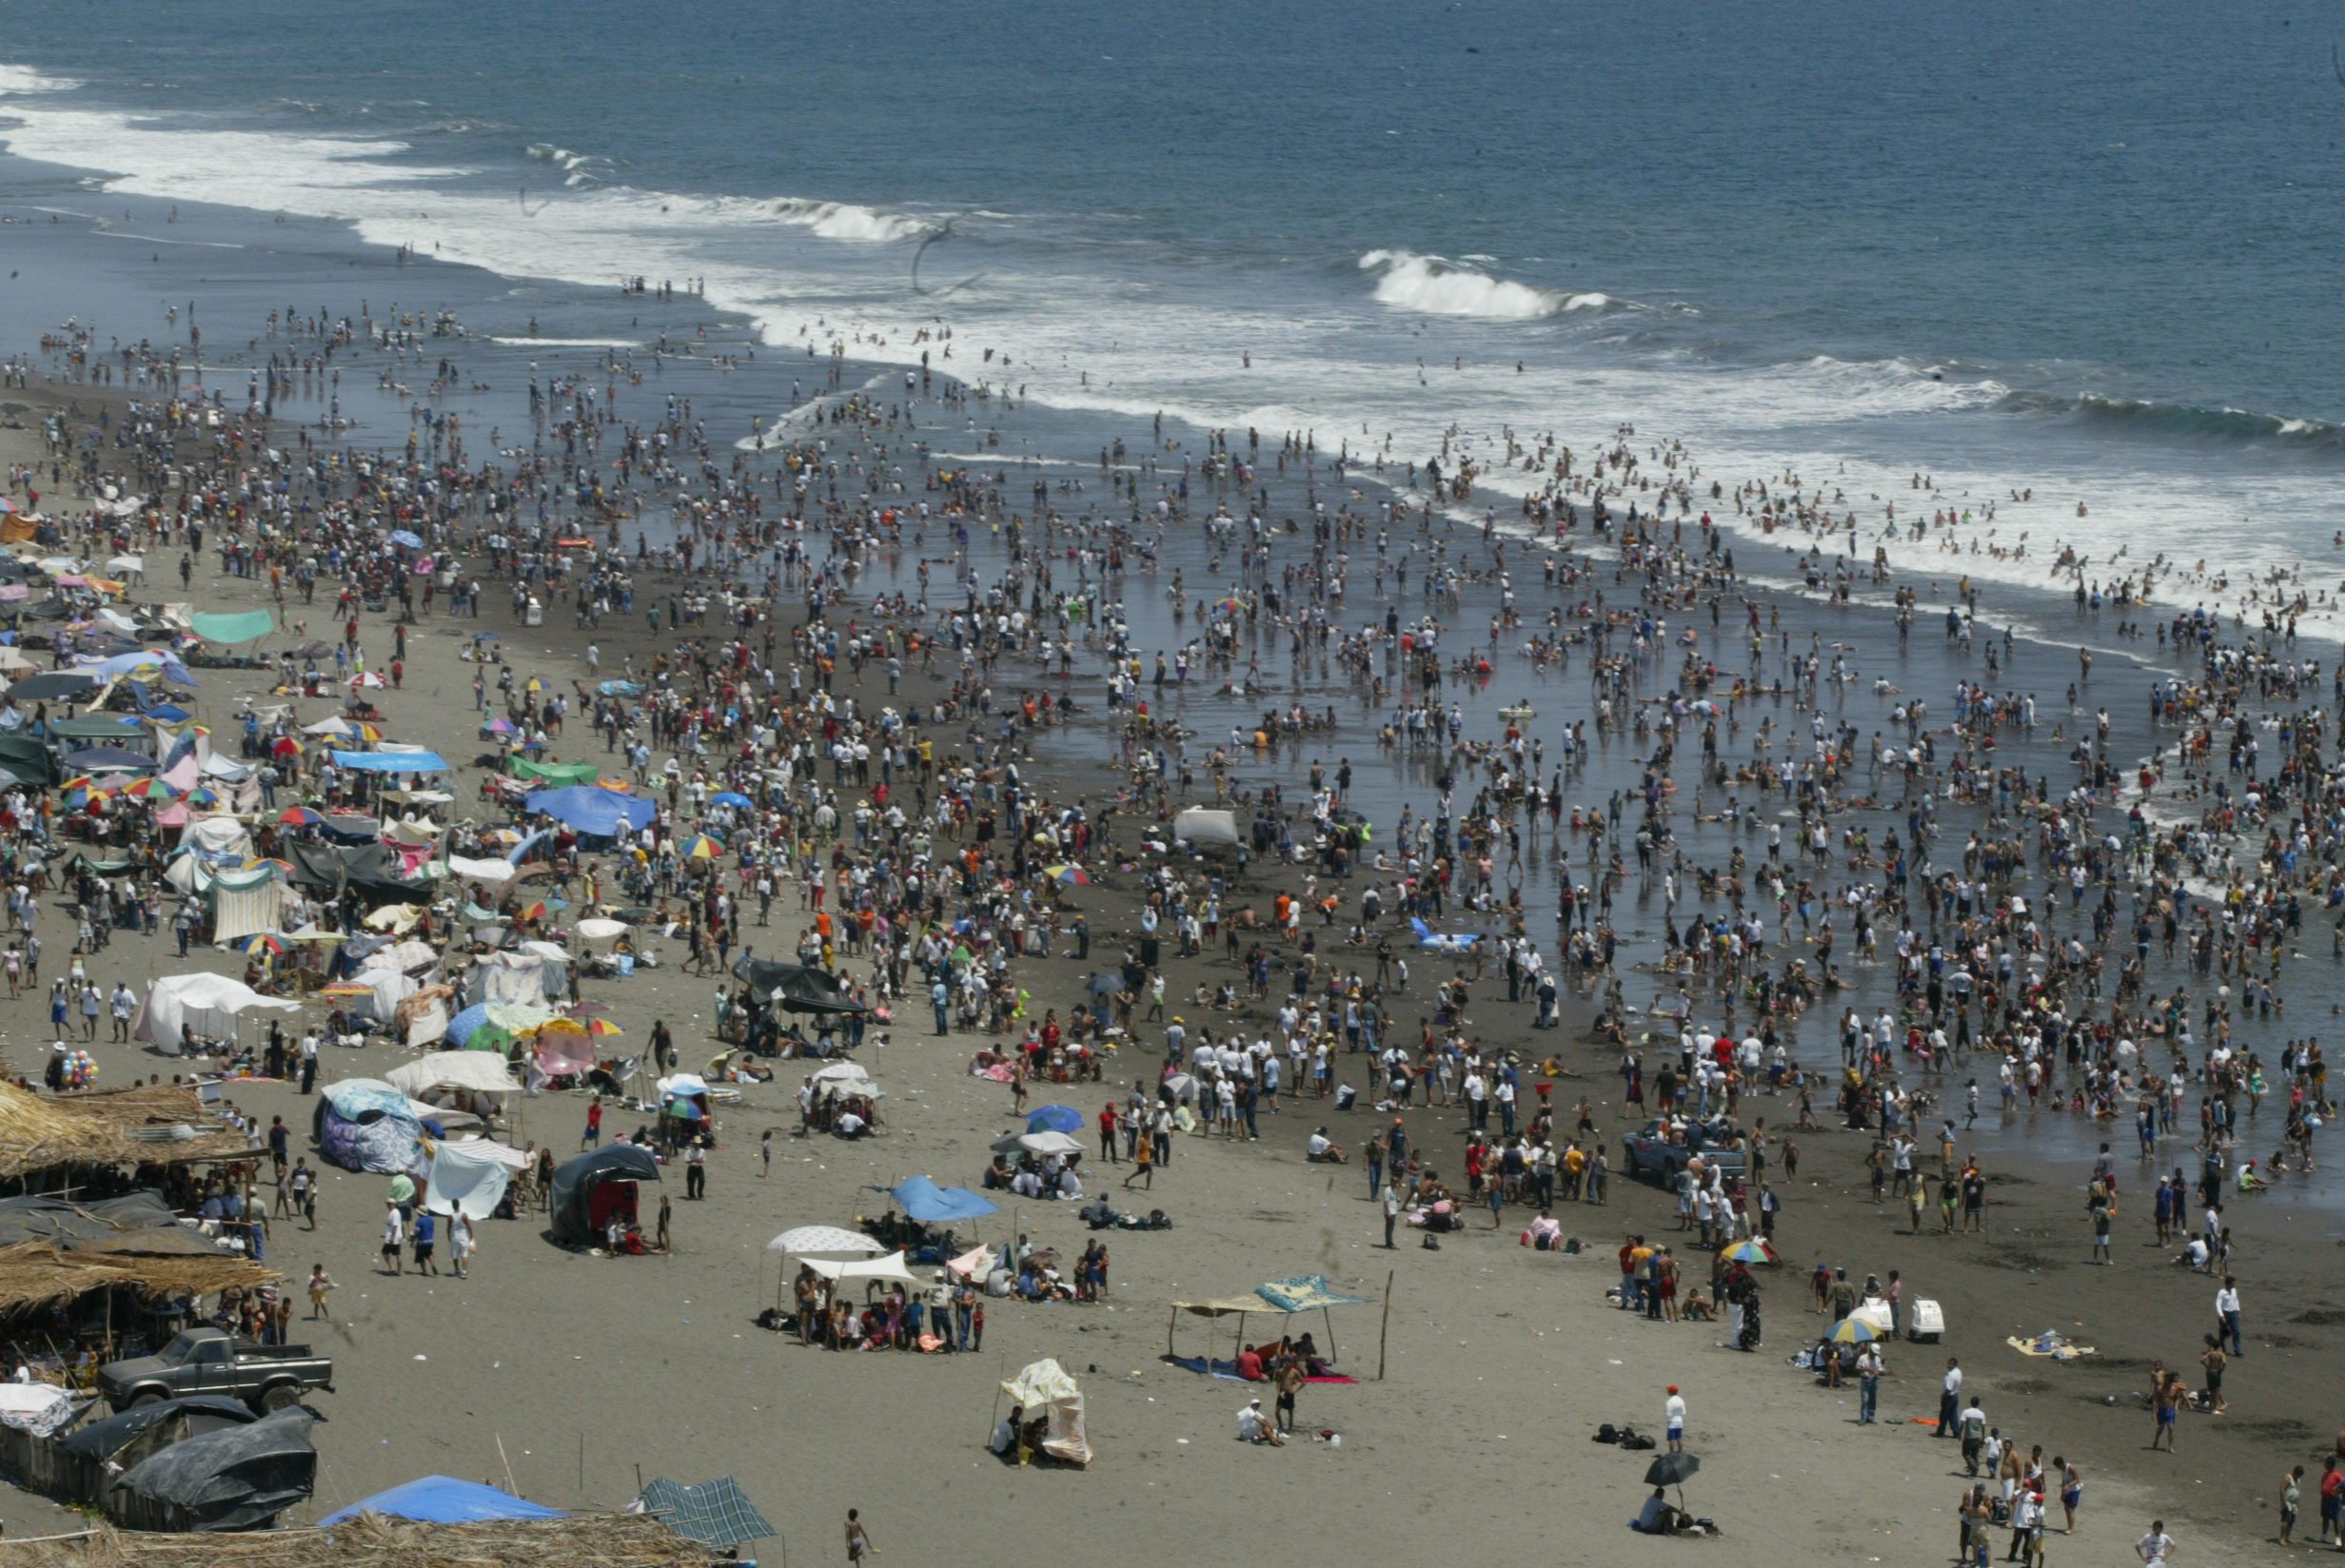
x=370 y=870
x=528 y=980
x=491 y=1026
x=438 y=1499
x=363 y=1124
x=246 y=903
x=591 y=810
x=208 y=1002
x=491 y=874
x=1044 y=1388
x=715 y=1513
x=479 y=1072
x=1055 y=1119
x=220 y=840
x=237 y=1477
x=824 y=1242
x=923 y=1200
x=575 y=1182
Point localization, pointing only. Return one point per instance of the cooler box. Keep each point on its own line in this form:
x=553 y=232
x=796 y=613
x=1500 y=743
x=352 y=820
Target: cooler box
x=1928 y=1322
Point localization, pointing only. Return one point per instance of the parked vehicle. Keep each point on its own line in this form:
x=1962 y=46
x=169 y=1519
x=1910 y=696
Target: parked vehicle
x=211 y=1360
x=1649 y=1151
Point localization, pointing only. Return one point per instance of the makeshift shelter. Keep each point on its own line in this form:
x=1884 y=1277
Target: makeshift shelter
x=478 y=1071
x=236 y=1477
x=717 y=1514
x=83 y=1462
x=376 y=1541
x=160 y=1124
x=441 y=1499
x=921 y=1198
x=820 y=1241
x=242 y=626
x=469 y=1177
x=597 y=1185
x=1206 y=828
x=422 y=1019
x=246 y=903
x=47 y=1274
x=363 y=1124
x=208 y=1003
x=867 y=1272
x=372 y=870
x=794 y=988
x=391 y=761
x=1045 y=1391
x=1286 y=1298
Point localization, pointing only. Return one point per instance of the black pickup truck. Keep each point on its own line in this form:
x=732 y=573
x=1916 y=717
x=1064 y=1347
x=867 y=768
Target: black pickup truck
x=212 y=1360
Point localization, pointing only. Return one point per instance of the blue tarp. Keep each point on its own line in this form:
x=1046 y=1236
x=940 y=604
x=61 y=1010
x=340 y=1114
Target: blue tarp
x=391 y=762
x=591 y=808
x=924 y=1201
x=464 y=1025
x=438 y=1499
x=1055 y=1118
x=1306 y=1293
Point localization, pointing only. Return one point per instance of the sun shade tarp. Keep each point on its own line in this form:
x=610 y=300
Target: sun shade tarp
x=442 y=1499
x=717 y=1514
x=554 y=772
x=391 y=762
x=1305 y=1293
x=590 y=809
x=238 y=1478
x=924 y=1201
x=243 y=627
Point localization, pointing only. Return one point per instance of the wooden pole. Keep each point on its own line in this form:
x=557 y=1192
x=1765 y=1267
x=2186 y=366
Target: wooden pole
x=508 y=1467
x=1384 y=1327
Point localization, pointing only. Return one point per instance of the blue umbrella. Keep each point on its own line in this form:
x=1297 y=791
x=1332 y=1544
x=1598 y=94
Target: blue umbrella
x=730 y=797
x=1055 y=1118
x=404 y=539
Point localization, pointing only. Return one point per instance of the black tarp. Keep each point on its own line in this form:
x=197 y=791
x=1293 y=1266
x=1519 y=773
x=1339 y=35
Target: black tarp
x=238 y=1478
x=53 y=686
x=370 y=870
x=575 y=1180
x=794 y=988
x=103 y=1439
x=83 y=1220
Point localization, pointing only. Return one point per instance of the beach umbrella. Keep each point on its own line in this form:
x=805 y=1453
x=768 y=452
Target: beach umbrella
x=1055 y=1118
x=405 y=540
x=202 y=795
x=730 y=797
x=297 y=816
x=1105 y=984
x=259 y=942
x=1853 y=1331
x=1672 y=1470
x=284 y=746
x=1069 y=875
x=825 y=1242
x=487 y=637
x=603 y=1026
x=700 y=847
x=500 y=727
x=150 y=788
x=1750 y=1252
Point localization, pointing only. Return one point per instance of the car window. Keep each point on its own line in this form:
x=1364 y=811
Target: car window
x=178 y=1351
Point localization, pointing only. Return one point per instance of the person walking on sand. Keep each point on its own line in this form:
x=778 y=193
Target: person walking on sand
x=394 y=1233
x=1673 y=1416
x=765 y=1156
x=594 y=1124
x=858 y=1538
x=321 y=1281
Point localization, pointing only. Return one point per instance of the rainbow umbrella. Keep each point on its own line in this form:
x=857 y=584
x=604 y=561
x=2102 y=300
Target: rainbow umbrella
x=259 y=942
x=1072 y=875
x=1853 y=1331
x=202 y=795
x=284 y=746
x=150 y=789
x=535 y=912
x=603 y=1026
x=370 y=734
x=1750 y=1252
x=700 y=847
x=299 y=816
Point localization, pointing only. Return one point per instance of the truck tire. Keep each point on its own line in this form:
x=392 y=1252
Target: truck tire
x=144 y=1396
x=277 y=1395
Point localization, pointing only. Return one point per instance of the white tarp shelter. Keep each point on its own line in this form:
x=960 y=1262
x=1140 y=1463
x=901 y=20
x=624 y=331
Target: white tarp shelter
x=208 y=1002
x=469 y=1177
x=1045 y=1389
x=480 y=1071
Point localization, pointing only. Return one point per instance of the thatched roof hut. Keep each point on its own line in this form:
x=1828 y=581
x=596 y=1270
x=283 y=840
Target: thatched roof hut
x=588 y=1540
x=40 y=1274
x=157 y=1123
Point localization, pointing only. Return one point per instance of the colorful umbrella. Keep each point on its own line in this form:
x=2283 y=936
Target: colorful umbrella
x=259 y=942
x=700 y=847
x=299 y=816
x=1853 y=1331
x=150 y=789
x=1750 y=1252
x=1072 y=875
x=603 y=1026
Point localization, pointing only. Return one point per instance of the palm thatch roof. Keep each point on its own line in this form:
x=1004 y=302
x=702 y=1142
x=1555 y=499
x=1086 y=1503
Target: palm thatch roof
x=159 y=1123
x=587 y=1541
x=39 y=1274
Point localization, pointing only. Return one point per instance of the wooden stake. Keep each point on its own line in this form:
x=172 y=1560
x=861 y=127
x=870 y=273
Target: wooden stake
x=1384 y=1327
x=508 y=1466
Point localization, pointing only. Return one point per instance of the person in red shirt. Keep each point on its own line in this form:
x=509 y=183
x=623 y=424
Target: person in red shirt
x=1107 y=1132
x=594 y=1126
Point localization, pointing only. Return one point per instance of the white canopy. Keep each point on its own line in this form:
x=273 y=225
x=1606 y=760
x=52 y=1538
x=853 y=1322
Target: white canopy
x=1205 y=825
x=482 y=1071
x=593 y=929
x=826 y=1241
x=1045 y=1387
x=870 y=1271
x=209 y=1002
x=337 y=726
x=489 y=873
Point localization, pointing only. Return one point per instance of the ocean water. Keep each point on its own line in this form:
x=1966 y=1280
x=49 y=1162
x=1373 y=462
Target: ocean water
x=2084 y=252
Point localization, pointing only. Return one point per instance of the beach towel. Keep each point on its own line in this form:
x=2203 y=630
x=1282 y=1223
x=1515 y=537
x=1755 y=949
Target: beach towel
x=1227 y=1370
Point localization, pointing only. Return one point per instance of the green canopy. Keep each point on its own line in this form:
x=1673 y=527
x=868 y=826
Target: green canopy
x=557 y=773
x=246 y=627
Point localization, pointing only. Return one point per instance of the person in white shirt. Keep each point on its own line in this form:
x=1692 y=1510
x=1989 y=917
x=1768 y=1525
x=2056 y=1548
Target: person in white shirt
x=1673 y=1416
x=2156 y=1547
x=1254 y=1427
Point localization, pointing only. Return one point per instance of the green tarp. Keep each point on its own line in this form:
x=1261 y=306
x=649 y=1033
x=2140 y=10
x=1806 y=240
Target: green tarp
x=557 y=773
x=248 y=627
